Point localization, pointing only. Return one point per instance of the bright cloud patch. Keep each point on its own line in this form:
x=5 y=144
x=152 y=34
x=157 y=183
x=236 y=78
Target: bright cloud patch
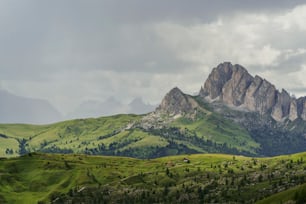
x=264 y=43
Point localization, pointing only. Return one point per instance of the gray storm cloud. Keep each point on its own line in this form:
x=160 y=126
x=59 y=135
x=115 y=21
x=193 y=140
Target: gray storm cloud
x=72 y=51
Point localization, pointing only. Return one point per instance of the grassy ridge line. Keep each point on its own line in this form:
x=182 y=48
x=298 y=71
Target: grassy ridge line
x=89 y=135
x=63 y=135
x=37 y=177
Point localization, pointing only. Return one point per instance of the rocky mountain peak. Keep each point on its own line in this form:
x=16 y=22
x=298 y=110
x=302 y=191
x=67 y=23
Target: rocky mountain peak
x=177 y=103
x=235 y=87
x=216 y=80
x=220 y=83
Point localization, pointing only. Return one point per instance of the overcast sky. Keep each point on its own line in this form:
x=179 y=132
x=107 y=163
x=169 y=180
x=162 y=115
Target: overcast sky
x=70 y=51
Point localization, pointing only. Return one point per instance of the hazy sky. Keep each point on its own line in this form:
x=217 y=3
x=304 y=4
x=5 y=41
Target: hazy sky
x=69 y=51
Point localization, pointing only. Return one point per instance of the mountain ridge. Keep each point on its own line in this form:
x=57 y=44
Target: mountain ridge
x=273 y=119
x=234 y=86
x=19 y=109
x=215 y=121
x=110 y=106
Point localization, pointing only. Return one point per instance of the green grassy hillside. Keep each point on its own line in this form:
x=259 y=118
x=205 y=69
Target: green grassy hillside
x=68 y=136
x=123 y=135
x=66 y=178
x=205 y=130
x=296 y=194
x=215 y=128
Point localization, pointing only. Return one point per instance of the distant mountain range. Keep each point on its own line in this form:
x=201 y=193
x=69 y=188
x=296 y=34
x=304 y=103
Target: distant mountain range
x=18 y=109
x=111 y=106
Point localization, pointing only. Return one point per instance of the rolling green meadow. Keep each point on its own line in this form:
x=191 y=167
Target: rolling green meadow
x=66 y=178
x=75 y=135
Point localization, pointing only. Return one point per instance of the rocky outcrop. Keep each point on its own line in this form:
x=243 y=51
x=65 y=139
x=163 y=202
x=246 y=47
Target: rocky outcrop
x=293 y=112
x=234 y=86
x=282 y=107
x=301 y=102
x=234 y=90
x=216 y=80
x=176 y=103
x=260 y=96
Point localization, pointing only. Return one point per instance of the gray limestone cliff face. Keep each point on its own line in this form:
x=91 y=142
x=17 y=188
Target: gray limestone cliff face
x=177 y=103
x=250 y=101
x=293 y=112
x=234 y=90
x=302 y=107
x=303 y=114
x=282 y=107
x=216 y=80
x=234 y=86
x=260 y=96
